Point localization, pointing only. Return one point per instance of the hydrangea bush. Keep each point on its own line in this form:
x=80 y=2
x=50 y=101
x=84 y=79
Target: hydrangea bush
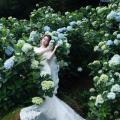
x=104 y=100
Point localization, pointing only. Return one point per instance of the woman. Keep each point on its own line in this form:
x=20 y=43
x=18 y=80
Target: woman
x=53 y=108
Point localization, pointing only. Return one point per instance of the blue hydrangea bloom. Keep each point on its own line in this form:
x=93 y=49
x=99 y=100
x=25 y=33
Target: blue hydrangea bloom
x=46 y=28
x=69 y=28
x=73 y=23
x=8 y=64
x=9 y=51
x=111 y=15
x=109 y=42
x=61 y=36
x=61 y=30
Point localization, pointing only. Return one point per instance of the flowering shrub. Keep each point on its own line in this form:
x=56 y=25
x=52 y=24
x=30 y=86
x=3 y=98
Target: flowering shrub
x=104 y=100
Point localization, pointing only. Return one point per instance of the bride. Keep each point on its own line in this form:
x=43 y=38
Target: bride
x=53 y=108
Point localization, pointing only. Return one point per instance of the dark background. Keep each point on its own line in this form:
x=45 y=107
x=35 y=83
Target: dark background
x=22 y=8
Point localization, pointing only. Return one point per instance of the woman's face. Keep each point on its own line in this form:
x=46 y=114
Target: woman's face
x=45 y=41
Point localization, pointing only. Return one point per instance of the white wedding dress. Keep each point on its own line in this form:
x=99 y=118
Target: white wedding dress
x=53 y=108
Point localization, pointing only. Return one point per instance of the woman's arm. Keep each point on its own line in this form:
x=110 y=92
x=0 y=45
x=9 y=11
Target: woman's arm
x=53 y=52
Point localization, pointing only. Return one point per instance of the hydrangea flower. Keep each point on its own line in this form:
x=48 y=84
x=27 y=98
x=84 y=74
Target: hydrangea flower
x=61 y=30
x=79 y=22
x=79 y=69
x=46 y=85
x=60 y=42
x=96 y=78
x=1 y=26
x=73 y=23
x=8 y=64
x=61 y=36
x=111 y=15
x=118 y=36
x=20 y=43
x=111 y=95
x=116 y=42
x=9 y=51
x=115 y=60
x=103 y=78
x=99 y=100
x=43 y=73
x=34 y=35
x=26 y=47
x=109 y=42
x=46 y=28
x=37 y=100
x=34 y=64
x=115 y=88
x=69 y=28
x=96 y=48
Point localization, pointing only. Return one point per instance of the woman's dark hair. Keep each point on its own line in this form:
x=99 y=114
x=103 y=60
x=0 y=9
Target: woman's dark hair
x=49 y=37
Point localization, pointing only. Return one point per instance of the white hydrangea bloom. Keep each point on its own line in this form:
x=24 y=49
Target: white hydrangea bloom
x=35 y=64
x=116 y=42
x=43 y=73
x=115 y=88
x=46 y=85
x=99 y=100
x=33 y=36
x=115 y=60
x=111 y=95
x=37 y=100
x=26 y=47
x=20 y=43
x=103 y=78
x=79 y=69
x=111 y=15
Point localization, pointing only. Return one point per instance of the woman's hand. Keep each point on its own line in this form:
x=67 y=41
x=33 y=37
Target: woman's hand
x=57 y=46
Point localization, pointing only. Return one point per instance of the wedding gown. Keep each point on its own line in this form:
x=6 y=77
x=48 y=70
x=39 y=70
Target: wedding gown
x=53 y=108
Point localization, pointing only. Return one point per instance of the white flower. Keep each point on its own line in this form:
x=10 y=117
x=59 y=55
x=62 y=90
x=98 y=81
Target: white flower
x=116 y=42
x=103 y=78
x=67 y=13
x=33 y=36
x=115 y=60
x=46 y=28
x=34 y=64
x=100 y=71
x=99 y=100
x=68 y=45
x=60 y=42
x=61 y=36
x=69 y=28
x=46 y=85
x=9 y=63
x=115 y=88
x=37 y=100
x=92 y=90
x=73 y=23
x=109 y=42
x=111 y=95
x=43 y=73
x=118 y=36
x=96 y=48
x=79 y=22
x=92 y=98
x=111 y=15
x=20 y=43
x=79 y=69
x=26 y=47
